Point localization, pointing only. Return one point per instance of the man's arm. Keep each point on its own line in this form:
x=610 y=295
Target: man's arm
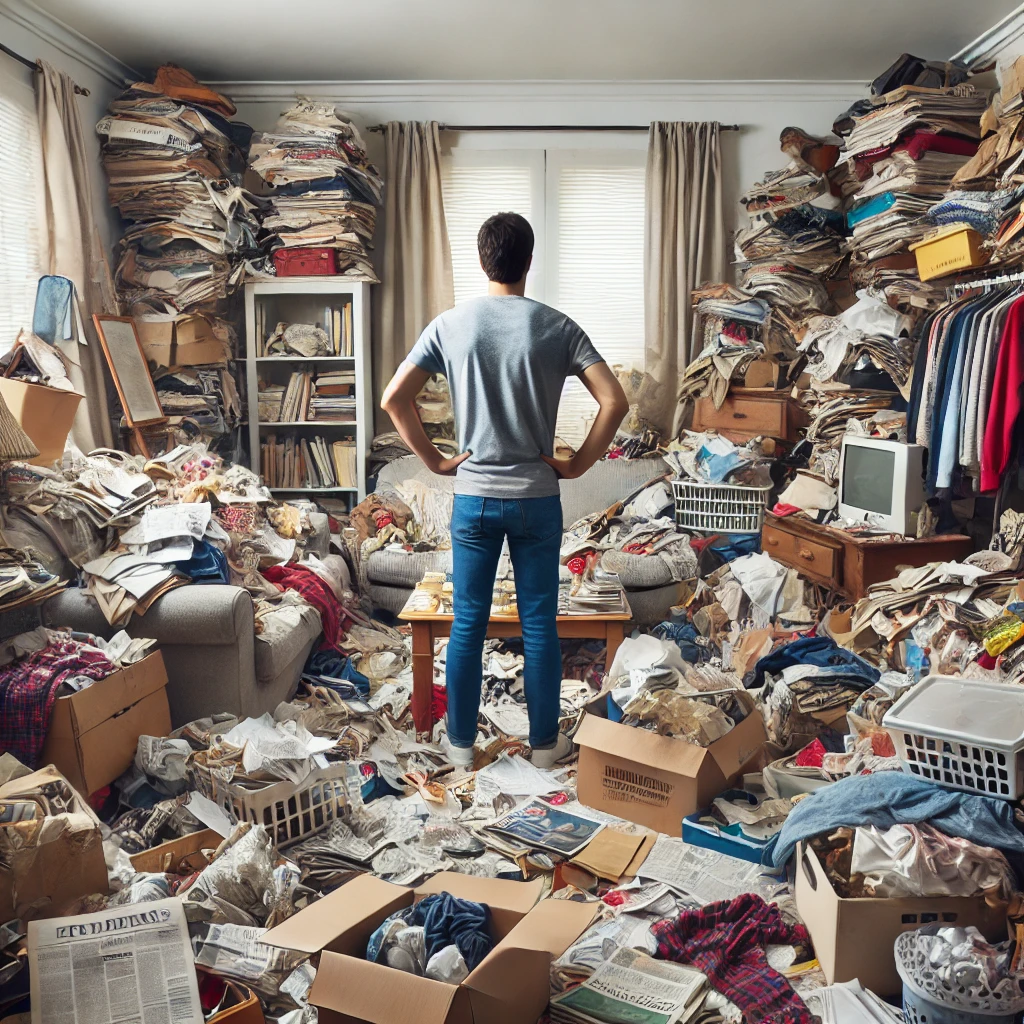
x=399 y=402
x=612 y=404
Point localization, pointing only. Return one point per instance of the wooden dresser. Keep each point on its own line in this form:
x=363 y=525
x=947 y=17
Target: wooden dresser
x=751 y=412
x=850 y=564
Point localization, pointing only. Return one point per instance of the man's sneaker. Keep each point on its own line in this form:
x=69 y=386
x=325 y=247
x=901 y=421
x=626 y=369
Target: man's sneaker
x=548 y=757
x=459 y=757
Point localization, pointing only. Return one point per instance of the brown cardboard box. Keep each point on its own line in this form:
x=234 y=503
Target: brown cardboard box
x=511 y=986
x=853 y=938
x=657 y=780
x=94 y=733
x=45 y=414
x=762 y=373
x=187 y=849
x=185 y=341
x=58 y=859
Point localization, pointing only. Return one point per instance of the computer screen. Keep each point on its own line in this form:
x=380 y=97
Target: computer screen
x=868 y=478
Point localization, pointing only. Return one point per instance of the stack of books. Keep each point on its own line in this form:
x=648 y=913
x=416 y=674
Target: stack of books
x=337 y=325
x=325 y=397
x=333 y=397
x=312 y=463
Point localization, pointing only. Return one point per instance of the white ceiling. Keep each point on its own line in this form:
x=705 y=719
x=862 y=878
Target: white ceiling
x=304 y=40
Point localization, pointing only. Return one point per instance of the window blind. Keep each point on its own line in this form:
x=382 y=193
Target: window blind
x=20 y=199
x=599 y=271
x=472 y=193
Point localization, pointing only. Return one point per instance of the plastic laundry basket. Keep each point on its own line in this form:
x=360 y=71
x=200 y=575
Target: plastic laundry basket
x=929 y=998
x=963 y=734
x=719 y=508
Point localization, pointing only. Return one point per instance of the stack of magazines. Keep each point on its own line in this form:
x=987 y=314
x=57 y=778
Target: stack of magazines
x=597 y=592
x=631 y=986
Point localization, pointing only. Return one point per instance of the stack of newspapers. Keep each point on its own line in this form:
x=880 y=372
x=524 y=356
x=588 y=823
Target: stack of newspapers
x=631 y=987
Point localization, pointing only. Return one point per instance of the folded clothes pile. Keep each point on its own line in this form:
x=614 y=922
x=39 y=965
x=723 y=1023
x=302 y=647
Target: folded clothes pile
x=322 y=189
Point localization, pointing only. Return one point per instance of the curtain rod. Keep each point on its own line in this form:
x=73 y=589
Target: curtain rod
x=550 y=127
x=35 y=67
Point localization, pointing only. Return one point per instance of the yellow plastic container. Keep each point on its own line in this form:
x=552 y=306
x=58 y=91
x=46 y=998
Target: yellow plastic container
x=954 y=248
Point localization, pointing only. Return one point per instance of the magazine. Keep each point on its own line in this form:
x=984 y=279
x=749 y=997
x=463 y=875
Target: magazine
x=540 y=825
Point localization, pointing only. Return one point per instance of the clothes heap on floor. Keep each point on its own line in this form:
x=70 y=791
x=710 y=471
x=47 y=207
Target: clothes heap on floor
x=175 y=165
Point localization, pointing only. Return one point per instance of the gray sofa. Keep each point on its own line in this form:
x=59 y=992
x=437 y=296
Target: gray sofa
x=215 y=662
x=392 y=575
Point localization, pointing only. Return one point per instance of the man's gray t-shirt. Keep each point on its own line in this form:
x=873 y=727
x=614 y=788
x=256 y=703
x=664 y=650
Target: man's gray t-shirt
x=506 y=358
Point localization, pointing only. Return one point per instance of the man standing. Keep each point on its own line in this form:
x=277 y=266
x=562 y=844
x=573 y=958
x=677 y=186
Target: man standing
x=506 y=358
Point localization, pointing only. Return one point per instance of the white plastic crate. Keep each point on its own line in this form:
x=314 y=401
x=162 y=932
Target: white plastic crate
x=719 y=508
x=963 y=734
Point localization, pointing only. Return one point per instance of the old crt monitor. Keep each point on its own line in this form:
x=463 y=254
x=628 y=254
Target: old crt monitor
x=881 y=482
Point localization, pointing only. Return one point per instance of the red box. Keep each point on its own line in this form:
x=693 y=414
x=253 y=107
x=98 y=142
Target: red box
x=303 y=262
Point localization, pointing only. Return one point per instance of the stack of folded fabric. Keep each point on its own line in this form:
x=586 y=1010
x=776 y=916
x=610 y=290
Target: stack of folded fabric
x=323 y=190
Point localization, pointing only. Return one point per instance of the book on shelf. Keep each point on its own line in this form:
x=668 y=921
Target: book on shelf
x=313 y=463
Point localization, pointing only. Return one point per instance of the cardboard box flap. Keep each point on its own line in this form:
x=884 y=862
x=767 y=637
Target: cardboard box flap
x=609 y=853
x=315 y=927
x=739 y=745
x=665 y=752
x=355 y=988
x=515 y=987
x=497 y=893
x=551 y=927
x=122 y=689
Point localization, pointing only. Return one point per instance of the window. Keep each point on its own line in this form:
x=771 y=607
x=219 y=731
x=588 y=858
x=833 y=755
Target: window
x=20 y=204
x=587 y=211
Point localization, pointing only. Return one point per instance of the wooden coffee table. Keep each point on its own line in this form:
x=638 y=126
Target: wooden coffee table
x=428 y=626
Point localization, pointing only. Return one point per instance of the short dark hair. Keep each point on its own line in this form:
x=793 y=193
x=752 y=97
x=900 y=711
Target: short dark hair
x=505 y=243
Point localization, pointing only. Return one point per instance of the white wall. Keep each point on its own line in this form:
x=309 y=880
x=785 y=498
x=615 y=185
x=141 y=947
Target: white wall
x=35 y=35
x=762 y=108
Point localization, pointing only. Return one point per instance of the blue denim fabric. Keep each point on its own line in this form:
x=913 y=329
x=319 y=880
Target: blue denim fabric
x=52 y=316
x=534 y=530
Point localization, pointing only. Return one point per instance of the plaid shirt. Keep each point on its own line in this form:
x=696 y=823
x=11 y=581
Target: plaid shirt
x=725 y=941
x=28 y=691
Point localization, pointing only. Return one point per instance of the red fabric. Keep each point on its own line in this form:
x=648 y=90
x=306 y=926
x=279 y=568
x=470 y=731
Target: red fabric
x=782 y=509
x=916 y=145
x=314 y=591
x=725 y=941
x=812 y=756
x=438 y=703
x=986 y=660
x=1004 y=400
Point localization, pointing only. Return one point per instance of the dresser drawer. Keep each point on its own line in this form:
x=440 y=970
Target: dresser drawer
x=820 y=559
x=749 y=417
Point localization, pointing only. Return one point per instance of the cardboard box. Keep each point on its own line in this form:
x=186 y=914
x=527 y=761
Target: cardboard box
x=56 y=861
x=951 y=249
x=511 y=986
x=94 y=733
x=853 y=938
x=184 y=341
x=658 y=780
x=45 y=414
x=187 y=850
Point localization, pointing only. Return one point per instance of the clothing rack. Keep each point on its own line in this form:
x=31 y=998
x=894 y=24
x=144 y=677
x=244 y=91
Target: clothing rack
x=550 y=127
x=983 y=283
x=34 y=66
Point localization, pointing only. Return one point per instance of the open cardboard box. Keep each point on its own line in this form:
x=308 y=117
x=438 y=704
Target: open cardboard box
x=184 y=851
x=94 y=733
x=511 y=986
x=182 y=341
x=657 y=780
x=853 y=938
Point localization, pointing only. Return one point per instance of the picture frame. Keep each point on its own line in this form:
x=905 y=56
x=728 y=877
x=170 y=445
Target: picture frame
x=126 y=360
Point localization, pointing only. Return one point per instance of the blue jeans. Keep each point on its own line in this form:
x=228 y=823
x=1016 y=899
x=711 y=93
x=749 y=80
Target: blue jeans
x=534 y=530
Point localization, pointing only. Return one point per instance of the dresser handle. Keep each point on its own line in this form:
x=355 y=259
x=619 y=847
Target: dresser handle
x=771 y=542
x=739 y=415
x=807 y=556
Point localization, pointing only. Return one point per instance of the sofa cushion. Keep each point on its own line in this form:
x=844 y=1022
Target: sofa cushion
x=390 y=599
x=275 y=654
x=637 y=572
x=404 y=568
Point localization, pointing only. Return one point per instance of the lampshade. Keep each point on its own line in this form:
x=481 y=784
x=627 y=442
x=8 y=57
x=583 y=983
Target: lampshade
x=15 y=444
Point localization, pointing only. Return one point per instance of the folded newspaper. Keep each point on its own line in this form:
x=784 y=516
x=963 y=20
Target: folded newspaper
x=633 y=988
x=118 y=966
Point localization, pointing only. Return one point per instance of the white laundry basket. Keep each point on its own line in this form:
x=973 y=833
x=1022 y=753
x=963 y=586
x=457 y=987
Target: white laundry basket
x=719 y=508
x=962 y=733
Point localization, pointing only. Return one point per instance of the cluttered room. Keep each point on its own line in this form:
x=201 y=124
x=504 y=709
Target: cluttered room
x=512 y=514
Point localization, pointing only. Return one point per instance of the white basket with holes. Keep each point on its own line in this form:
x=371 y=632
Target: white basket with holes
x=719 y=508
x=962 y=734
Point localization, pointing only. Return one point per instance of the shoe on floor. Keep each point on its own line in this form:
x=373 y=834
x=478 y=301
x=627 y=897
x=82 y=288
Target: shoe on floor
x=458 y=757
x=548 y=757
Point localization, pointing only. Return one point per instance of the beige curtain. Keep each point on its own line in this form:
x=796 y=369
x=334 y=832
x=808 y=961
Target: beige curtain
x=71 y=246
x=416 y=272
x=685 y=246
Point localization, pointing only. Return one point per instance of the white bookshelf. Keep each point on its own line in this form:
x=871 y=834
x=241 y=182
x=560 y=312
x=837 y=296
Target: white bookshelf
x=302 y=300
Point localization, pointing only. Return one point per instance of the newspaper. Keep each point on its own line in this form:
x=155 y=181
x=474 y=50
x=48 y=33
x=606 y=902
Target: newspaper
x=706 y=875
x=538 y=824
x=632 y=988
x=238 y=952
x=125 y=965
